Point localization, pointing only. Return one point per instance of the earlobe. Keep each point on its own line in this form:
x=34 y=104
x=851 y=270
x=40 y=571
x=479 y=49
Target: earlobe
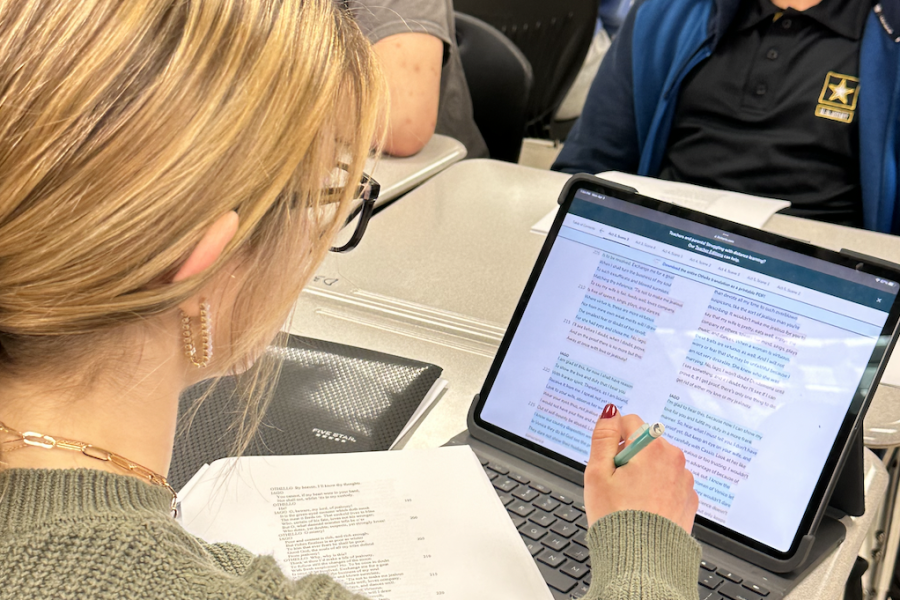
x=210 y=246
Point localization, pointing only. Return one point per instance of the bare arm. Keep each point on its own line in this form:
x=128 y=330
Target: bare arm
x=412 y=64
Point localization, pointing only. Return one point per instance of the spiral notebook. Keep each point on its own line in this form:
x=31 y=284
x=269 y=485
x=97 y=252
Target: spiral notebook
x=329 y=398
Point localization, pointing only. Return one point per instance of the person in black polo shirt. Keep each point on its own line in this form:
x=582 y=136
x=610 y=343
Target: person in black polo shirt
x=792 y=99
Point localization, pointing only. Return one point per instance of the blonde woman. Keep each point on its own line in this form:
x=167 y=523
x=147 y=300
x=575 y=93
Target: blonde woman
x=168 y=183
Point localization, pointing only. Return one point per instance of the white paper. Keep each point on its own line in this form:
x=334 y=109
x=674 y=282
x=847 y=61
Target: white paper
x=401 y=525
x=752 y=211
x=187 y=487
x=182 y=493
x=439 y=385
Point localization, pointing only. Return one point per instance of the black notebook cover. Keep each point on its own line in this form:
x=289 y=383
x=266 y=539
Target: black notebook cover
x=329 y=398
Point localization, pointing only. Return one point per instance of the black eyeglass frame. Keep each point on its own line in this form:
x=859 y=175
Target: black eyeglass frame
x=368 y=190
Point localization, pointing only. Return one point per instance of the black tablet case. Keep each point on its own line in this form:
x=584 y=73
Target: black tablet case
x=329 y=398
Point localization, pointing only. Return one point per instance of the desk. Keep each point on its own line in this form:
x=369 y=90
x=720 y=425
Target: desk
x=437 y=278
x=399 y=175
x=446 y=271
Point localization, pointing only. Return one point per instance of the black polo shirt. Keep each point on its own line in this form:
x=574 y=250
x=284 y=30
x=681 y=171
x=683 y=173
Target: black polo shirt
x=773 y=111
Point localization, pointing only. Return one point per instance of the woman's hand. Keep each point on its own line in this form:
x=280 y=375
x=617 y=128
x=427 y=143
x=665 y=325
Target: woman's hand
x=655 y=480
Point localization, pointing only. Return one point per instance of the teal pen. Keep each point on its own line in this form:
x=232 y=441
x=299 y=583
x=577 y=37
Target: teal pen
x=639 y=440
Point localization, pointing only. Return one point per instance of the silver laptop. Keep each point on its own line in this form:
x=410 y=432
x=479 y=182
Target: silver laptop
x=758 y=353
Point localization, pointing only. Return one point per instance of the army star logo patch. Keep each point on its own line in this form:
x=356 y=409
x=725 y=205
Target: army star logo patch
x=838 y=98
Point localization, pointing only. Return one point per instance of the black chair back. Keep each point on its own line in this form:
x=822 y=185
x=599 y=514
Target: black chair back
x=500 y=82
x=553 y=34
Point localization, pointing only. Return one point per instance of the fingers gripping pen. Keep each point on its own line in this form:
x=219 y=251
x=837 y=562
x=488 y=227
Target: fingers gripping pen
x=639 y=440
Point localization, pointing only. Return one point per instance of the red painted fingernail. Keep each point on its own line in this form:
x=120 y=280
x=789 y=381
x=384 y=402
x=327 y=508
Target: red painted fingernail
x=609 y=412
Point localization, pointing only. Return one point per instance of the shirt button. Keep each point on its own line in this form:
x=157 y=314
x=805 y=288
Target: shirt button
x=772 y=54
x=761 y=89
x=786 y=23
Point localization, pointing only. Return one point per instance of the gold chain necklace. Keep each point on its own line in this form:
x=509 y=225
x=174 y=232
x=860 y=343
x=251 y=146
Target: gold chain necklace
x=32 y=439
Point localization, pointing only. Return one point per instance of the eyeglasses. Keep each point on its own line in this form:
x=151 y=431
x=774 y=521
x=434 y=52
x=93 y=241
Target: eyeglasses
x=366 y=195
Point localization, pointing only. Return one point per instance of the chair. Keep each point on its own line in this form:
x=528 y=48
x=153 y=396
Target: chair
x=499 y=79
x=553 y=34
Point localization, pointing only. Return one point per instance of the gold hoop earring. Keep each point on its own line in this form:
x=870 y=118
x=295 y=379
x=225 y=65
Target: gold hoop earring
x=187 y=334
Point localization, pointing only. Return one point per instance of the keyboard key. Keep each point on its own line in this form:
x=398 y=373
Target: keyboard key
x=564 y=529
x=587 y=580
x=491 y=475
x=541 y=488
x=484 y=461
x=706 y=594
x=520 y=478
x=506 y=499
x=709 y=580
x=498 y=468
x=505 y=484
x=568 y=513
x=708 y=565
x=549 y=557
x=557 y=595
x=517 y=520
x=737 y=592
x=729 y=575
x=756 y=588
x=555 y=542
x=533 y=546
x=582 y=521
x=574 y=569
x=523 y=509
x=525 y=493
x=562 y=499
x=547 y=503
x=533 y=531
x=580 y=537
x=576 y=552
x=557 y=580
x=580 y=591
x=541 y=518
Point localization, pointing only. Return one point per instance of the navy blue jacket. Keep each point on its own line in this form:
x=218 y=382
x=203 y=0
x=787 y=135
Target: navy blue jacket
x=629 y=110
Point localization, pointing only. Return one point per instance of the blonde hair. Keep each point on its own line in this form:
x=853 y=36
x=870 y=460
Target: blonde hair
x=128 y=127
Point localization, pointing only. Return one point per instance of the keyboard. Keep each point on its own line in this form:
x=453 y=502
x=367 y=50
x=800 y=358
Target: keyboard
x=554 y=527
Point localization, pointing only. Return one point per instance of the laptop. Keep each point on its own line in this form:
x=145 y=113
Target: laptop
x=759 y=354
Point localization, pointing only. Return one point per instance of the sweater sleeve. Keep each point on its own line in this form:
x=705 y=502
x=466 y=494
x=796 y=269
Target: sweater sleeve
x=637 y=555
x=231 y=558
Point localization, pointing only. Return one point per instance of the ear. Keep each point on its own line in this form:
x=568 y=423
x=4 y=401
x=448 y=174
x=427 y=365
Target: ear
x=207 y=251
x=210 y=247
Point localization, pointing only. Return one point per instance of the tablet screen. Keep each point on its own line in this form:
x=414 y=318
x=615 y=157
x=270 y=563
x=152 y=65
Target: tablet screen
x=750 y=354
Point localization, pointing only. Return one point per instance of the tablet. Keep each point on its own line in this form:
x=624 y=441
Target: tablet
x=757 y=352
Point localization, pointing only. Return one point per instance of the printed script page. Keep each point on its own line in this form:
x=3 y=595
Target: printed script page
x=391 y=525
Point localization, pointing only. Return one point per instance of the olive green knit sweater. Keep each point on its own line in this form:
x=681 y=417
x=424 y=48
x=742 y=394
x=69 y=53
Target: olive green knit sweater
x=92 y=535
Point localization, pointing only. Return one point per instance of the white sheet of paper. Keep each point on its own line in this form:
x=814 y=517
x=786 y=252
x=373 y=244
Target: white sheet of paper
x=187 y=487
x=401 y=525
x=439 y=385
x=740 y=208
